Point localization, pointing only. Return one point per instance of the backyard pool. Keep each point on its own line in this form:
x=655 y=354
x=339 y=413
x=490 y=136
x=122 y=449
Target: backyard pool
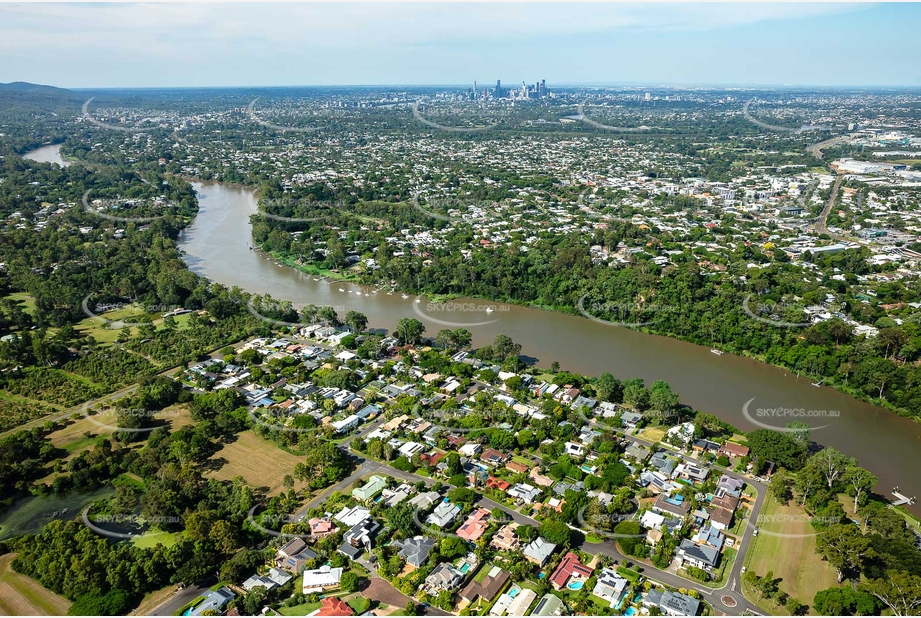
x=631 y=611
x=513 y=592
x=576 y=585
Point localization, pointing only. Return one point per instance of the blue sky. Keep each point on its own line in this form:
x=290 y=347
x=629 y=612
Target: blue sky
x=142 y=45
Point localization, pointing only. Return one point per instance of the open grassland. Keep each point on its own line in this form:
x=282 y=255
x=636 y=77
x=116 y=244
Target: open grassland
x=153 y=600
x=260 y=462
x=23 y=596
x=792 y=557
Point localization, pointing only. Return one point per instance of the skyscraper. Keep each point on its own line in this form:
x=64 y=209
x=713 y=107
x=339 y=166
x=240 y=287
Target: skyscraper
x=498 y=93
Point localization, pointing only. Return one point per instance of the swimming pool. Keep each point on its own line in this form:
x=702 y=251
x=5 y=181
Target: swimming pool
x=513 y=592
x=631 y=611
x=576 y=585
x=465 y=567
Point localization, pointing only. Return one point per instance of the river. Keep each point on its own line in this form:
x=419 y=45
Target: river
x=217 y=246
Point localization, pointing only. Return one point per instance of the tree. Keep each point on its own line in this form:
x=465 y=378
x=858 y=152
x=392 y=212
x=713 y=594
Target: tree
x=845 y=548
x=636 y=394
x=778 y=447
x=349 y=581
x=831 y=463
x=556 y=532
x=462 y=339
x=780 y=486
x=900 y=591
x=409 y=330
x=860 y=481
x=451 y=547
x=357 y=321
x=662 y=398
x=796 y=607
x=609 y=388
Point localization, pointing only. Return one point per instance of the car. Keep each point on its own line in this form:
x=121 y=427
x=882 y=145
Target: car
x=755 y=533
x=744 y=569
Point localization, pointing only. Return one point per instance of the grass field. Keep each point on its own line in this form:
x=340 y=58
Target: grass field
x=653 y=434
x=299 y=610
x=154 y=599
x=260 y=462
x=23 y=596
x=792 y=558
x=24 y=300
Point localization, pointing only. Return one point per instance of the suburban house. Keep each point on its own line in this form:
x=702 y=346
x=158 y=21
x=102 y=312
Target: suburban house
x=513 y=605
x=524 y=492
x=630 y=419
x=569 y=570
x=374 y=486
x=731 y=449
x=321 y=527
x=358 y=538
x=474 y=526
x=444 y=514
x=214 y=600
x=493 y=457
x=672 y=603
x=516 y=467
x=415 y=550
x=731 y=485
x=352 y=516
x=539 y=551
x=677 y=506
x=693 y=472
x=444 y=577
x=610 y=586
x=549 y=605
x=293 y=555
x=505 y=538
x=333 y=606
x=321 y=580
x=701 y=556
x=487 y=589
x=720 y=518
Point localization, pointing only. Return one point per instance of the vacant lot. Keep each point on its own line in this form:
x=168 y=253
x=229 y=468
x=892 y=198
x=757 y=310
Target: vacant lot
x=791 y=557
x=261 y=463
x=23 y=596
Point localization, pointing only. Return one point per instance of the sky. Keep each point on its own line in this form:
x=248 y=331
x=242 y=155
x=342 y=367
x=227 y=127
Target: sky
x=99 y=45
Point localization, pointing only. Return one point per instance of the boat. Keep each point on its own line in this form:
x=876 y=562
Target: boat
x=418 y=300
x=405 y=296
x=488 y=309
x=717 y=352
x=341 y=290
x=818 y=384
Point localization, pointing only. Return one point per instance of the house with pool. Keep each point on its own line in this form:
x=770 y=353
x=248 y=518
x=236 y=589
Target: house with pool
x=570 y=573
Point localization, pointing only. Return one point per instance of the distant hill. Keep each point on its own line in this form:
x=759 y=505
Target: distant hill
x=26 y=87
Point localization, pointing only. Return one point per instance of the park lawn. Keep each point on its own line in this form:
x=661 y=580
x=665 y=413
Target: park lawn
x=653 y=434
x=23 y=596
x=260 y=462
x=299 y=610
x=149 y=541
x=24 y=300
x=792 y=558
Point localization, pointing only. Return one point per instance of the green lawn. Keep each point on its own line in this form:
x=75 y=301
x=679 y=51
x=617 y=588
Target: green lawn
x=151 y=539
x=24 y=300
x=792 y=558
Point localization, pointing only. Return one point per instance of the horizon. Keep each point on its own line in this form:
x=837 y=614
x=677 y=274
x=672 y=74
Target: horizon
x=130 y=46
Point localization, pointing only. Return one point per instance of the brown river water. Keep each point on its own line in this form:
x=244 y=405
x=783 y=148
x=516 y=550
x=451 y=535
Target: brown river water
x=217 y=246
